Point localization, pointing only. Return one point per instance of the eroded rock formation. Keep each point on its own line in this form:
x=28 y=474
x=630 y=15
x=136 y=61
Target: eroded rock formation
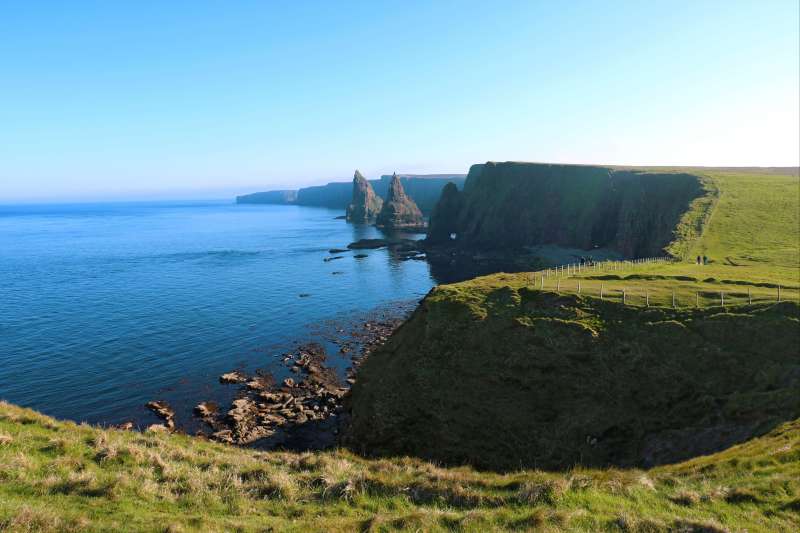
x=399 y=210
x=365 y=205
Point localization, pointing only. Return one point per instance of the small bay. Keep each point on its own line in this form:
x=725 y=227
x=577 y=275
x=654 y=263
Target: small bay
x=106 y=306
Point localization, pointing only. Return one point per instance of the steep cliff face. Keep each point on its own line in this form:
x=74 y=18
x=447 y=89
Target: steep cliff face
x=271 y=197
x=445 y=215
x=399 y=210
x=365 y=205
x=335 y=195
x=512 y=205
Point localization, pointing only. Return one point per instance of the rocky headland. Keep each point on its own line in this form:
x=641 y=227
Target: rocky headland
x=511 y=206
x=495 y=373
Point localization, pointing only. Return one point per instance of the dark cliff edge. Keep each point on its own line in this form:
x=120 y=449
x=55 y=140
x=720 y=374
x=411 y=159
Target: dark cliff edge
x=423 y=189
x=492 y=373
x=513 y=205
x=270 y=197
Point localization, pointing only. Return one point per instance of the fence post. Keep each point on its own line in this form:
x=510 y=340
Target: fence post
x=647 y=298
x=558 y=286
x=624 y=297
x=697 y=299
x=722 y=298
x=673 y=299
x=779 y=294
x=601 y=291
x=749 y=296
x=579 y=286
x=542 y=287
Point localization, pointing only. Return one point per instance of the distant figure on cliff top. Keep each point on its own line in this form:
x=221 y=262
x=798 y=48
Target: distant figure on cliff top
x=366 y=205
x=399 y=210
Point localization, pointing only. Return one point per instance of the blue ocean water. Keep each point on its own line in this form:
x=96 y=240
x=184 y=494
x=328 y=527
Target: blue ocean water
x=104 y=307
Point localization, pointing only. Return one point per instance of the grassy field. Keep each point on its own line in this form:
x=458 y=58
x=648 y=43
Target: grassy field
x=749 y=228
x=58 y=476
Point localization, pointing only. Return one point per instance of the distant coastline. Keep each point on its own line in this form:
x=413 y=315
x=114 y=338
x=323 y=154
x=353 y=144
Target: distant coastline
x=424 y=189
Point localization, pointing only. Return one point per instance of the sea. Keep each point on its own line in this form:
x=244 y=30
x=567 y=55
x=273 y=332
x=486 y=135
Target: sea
x=106 y=306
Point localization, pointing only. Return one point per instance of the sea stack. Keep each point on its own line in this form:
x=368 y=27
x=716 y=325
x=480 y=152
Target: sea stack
x=399 y=210
x=365 y=205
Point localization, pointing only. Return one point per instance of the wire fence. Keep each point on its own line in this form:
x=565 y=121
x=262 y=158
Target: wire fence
x=581 y=278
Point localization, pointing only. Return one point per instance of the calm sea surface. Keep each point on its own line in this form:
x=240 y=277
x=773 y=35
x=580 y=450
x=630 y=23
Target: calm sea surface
x=106 y=306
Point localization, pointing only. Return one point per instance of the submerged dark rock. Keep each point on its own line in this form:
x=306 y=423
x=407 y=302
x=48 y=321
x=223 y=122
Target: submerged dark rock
x=399 y=211
x=368 y=244
x=365 y=205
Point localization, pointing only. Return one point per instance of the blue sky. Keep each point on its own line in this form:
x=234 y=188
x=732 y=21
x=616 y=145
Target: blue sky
x=186 y=99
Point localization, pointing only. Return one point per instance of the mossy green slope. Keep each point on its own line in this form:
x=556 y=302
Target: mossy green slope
x=59 y=476
x=493 y=373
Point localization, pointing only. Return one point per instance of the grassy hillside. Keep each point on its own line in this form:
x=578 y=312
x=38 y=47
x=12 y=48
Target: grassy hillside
x=753 y=231
x=497 y=374
x=58 y=476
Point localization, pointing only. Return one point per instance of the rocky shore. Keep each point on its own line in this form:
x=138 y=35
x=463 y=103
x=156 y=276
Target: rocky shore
x=303 y=411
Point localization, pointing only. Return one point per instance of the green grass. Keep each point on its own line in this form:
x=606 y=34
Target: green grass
x=748 y=225
x=59 y=476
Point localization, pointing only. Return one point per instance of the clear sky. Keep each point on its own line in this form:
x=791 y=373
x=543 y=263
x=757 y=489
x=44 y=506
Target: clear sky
x=180 y=99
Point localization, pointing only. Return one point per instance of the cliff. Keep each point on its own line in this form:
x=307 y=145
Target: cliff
x=499 y=375
x=399 y=210
x=423 y=189
x=365 y=205
x=335 y=195
x=512 y=205
x=270 y=197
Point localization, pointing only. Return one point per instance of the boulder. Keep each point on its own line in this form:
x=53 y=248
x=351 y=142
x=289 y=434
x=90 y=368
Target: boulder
x=206 y=409
x=163 y=410
x=233 y=377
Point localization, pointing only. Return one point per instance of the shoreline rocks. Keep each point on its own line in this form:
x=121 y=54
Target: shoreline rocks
x=309 y=404
x=164 y=411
